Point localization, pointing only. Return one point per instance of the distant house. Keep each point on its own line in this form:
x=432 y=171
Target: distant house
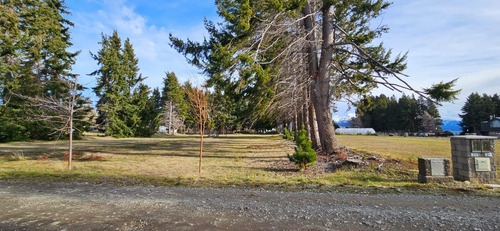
x=355 y=131
x=491 y=127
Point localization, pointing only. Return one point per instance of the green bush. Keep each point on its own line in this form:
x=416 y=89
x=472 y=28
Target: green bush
x=11 y=132
x=287 y=135
x=304 y=155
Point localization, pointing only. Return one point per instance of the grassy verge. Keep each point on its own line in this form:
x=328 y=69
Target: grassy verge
x=235 y=160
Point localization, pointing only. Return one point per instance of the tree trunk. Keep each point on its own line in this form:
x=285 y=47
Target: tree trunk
x=70 y=155
x=295 y=124
x=170 y=130
x=320 y=73
x=316 y=144
x=71 y=112
x=202 y=129
x=321 y=94
x=305 y=113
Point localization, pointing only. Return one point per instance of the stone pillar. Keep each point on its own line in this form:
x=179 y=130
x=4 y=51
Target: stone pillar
x=473 y=159
x=434 y=170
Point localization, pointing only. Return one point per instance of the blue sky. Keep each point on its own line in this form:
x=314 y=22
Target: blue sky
x=445 y=39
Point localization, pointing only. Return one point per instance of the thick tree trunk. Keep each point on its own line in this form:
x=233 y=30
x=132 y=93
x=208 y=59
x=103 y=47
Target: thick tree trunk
x=316 y=144
x=320 y=73
x=305 y=113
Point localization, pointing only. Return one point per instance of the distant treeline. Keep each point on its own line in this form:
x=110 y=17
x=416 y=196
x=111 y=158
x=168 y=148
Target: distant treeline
x=478 y=108
x=390 y=114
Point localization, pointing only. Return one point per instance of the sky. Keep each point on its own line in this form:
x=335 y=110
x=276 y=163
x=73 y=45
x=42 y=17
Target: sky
x=445 y=39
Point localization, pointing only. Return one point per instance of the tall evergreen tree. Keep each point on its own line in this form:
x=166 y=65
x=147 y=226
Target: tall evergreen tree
x=122 y=97
x=149 y=111
x=173 y=96
x=259 y=45
x=173 y=91
x=496 y=100
x=34 y=61
x=476 y=109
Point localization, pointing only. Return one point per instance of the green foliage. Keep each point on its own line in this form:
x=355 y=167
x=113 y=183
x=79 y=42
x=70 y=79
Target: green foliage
x=173 y=91
x=304 y=155
x=443 y=91
x=478 y=108
x=34 y=62
x=404 y=114
x=11 y=131
x=287 y=135
x=223 y=116
x=124 y=107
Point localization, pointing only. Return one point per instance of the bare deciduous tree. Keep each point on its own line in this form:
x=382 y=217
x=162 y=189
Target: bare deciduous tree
x=428 y=122
x=170 y=117
x=200 y=105
x=58 y=114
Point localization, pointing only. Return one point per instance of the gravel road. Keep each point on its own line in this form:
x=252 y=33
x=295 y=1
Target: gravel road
x=80 y=206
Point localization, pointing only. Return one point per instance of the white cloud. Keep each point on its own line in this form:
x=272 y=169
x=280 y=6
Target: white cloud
x=446 y=40
x=150 y=42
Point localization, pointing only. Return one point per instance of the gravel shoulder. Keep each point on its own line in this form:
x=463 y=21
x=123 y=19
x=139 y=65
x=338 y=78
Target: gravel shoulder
x=80 y=206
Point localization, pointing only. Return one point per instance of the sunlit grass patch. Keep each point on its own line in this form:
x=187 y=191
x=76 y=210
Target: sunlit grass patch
x=240 y=160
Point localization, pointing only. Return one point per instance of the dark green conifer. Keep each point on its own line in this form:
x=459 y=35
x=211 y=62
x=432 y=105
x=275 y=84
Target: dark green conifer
x=304 y=155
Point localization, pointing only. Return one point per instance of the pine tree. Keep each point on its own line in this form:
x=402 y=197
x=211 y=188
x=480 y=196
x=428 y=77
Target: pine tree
x=287 y=135
x=122 y=97
x=270 y=46
x=34 y=61
x=149 y=112
x=173 y=96
x=304 y=155
x=476 y=109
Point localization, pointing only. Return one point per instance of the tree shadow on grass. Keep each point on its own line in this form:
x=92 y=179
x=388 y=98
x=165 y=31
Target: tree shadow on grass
x=267 y=169
x=179 y=148
x=243 y=136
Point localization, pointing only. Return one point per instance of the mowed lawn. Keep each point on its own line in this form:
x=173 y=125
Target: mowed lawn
x=233 y=159
x=405 y=148
x=244 y=160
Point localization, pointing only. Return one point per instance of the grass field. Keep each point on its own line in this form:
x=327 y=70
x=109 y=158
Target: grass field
x=241 y=160
x=406 y=148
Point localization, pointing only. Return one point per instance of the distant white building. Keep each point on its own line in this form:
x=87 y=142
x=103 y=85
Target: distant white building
x=162 y=129
x=355 y=131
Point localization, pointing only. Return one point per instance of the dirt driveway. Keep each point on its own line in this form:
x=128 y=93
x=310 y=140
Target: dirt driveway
x=79 y=206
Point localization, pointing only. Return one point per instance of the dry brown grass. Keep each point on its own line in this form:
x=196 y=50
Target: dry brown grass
x=406 y=148
x=245 y=160
x=227 y=160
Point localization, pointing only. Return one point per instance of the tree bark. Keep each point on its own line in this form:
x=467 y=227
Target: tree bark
x=320 y=73
x=70 y=154
x=305 y=113
x=202 y=133
x=170 y=131
x=316 y=144
x=71 y=112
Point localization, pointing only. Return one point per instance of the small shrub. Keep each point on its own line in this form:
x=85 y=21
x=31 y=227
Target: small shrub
x=287 y=135
x=304 y=155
